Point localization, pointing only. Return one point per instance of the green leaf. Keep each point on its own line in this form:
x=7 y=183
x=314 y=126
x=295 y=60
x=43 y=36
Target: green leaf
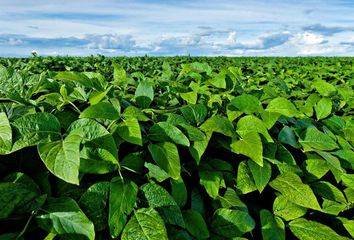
x=144 y=94
x=251 y=146
x=190 y=97
x=311 y=230
x=246 y=103
x=166 y=156
x=62 y=158
x=94 y=204
x=96 y=97
x=324 y=88
x=145 y=224
x=102 y=110
x=119 y=74
x=231 y=223
x=99 y=153
x=348 y=180
x=273 y=228
x=348 y=225
x=156 y=172
x=284 y=208
x=287 y=136
x=14 y=196
x=212 y=181
x=251 y=123
x=194 y=114
x=291 y=186
x=195 y=224
x=63 y=216
x=316 y=139
x=244 y=180
x=80 y=78
x=179 y=192
x=315 y=168
x=261 y=175
x=283 y=106
x=218 y=124
x=122 y=199
x=158 y=198
x=33 y=129
x=130 y=131
x=328 y=191
x=231 y=200
x=323 y=108
x=164 y=131
x=134 y=112
x=5 y=134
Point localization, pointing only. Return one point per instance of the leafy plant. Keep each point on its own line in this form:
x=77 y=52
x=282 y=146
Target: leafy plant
x=176 y=148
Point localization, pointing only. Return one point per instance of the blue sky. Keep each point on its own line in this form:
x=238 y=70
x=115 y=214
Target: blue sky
x=177 y=27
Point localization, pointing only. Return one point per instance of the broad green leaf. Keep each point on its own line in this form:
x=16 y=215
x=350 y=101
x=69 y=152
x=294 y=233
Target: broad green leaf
x=231 y=223
x=156 y=172
x=14 y=196
x=62 y=158
x=119 y=74
x=135 y=112
x=315 y=168
x=5 y=134
x=194 y=114
x=194 y=134
x=291 y=186
x=311 y=230
x=283 y=106
x=324 y=88
x=77 y=77
x=122 y=197
x=212 y=181
x=166 y=156
x=231 y=200
x=179 y=192
x=130 y=131
x=316 y=139
x=164 y=131
x=102 y=110
x=158 y=198
x=94 y=203
x=190 y=97
x=323 y=108
x=251 y=146
x=96 y=97
x=244 y=181
x=348 y=225
x=348 y=180
x=144 y=94
x=99 y=153
x=261 y=175
x=145 y=224
x=251 y=123
x=332 y=207
x=287 y=136
x=246 y=103
x=218 y=124
x=195 y=224
x=328 y=191
x=63 y=216
x=286 y=209
x=33 y=129
x=273 y=228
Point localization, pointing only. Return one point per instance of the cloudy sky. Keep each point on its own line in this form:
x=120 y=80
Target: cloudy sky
x=177 y=27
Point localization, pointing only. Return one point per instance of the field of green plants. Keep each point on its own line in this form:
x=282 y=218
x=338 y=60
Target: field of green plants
x=177 y=148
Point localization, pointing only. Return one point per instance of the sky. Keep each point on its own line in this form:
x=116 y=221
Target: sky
x=177 y=27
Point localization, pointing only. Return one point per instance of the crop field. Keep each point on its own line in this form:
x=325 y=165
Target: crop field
x=180 y=148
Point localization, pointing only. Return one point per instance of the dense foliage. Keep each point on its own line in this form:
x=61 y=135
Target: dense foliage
x=176 y=148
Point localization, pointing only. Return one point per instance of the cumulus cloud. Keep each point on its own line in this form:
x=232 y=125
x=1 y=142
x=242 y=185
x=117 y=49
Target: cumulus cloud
x=326 y=30
x=266 y=41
